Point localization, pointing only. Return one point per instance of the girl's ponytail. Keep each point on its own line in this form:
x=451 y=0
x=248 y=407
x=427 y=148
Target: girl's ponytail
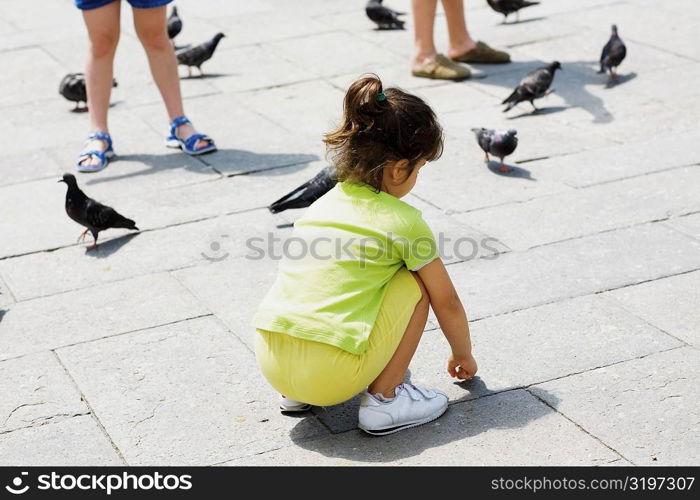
x=380 y=126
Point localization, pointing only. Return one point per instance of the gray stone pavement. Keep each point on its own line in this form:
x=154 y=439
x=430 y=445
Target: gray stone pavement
x=584 y=313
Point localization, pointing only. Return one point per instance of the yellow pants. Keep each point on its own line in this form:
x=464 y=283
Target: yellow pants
x=325 y=375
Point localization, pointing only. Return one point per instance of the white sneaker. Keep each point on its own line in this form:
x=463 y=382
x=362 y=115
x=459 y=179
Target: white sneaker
x=289 y=405
x=412 y=406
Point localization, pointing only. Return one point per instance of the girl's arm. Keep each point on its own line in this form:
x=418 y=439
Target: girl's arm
x=451 y=316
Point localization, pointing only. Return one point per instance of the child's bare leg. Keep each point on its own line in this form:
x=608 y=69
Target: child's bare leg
x=394 y=372
x=151 y=28
x=103 y=31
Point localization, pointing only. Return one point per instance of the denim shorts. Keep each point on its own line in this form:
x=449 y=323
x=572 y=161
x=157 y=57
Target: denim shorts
x=137 y=4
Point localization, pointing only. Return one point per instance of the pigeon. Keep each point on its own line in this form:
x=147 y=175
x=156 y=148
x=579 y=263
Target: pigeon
x=384 y=17
x=307 y=193
x=506 y=7
x=197 y=55
x=174 y=24
x=613 y=54
x=499 y=144
x=91 y=214
x=533 y=86
x=72 y=87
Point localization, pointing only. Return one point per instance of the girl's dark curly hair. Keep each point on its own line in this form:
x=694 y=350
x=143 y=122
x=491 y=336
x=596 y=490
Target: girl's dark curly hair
x=381 y=126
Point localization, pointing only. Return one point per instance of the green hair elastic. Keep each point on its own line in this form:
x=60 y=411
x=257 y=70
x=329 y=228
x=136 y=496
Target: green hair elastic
x=381 y=97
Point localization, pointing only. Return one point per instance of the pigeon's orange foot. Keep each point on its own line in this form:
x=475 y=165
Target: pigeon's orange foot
x=92 y=247
x=82 y=235
x=505 y=169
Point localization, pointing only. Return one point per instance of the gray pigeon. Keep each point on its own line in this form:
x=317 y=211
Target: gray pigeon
x=197 y=55
x=506 y=7
x=91 y=214
x=499 y=144
x=174 y=24
x=613 y=54
x=384 y=17
x=307 y=193
x=72 y=87
x=533 y=86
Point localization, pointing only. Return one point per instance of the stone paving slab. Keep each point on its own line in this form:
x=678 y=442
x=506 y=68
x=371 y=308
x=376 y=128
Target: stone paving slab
x=5 y=298
x=269 y=69
x=76 y=441
x=527 y=347
x=595 y=263
x=637 y=23
x=31 y=75
x=127 y=256
x=670 y=304
x=473 y=185
x=249 y=29
x=242 y=146
x=512 y=428
x=182 y=394
x=36 y=391
x=235 y=309
x=41 y=222
x=617 y=162
x=333 y=53
x=689 y=225
x=541 y=343
x=656 y=396
x=95 y=312
x=587 y=211
x=539 y=135
x=28 y=166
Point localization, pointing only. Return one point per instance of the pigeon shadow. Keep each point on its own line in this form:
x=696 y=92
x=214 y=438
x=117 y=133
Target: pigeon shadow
x=528 y=20
x=464 y=420
x=107 y=248
x=516 y=172
x=620 y=80
x=2 y=313
x=540 y=111
x=571 y=85
x=85 y=109
x=226 y=162
x=207 y=75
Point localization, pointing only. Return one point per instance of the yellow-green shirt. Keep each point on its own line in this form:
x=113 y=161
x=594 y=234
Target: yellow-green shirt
x=341 y=255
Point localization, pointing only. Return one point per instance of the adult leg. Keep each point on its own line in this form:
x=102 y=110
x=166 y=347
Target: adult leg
x=151 y=28
x=460 y=39
x=394 y=372
x=424 y=21
x=103 y=32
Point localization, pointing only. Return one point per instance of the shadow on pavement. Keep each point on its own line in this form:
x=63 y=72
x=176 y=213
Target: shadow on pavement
x=224 y=161
x=570 y=84
x=463 y=420
x=620 y=80
x=539 y=111
x=109 y=247
x=518 y=172
x=2 y=313
x=529 y=20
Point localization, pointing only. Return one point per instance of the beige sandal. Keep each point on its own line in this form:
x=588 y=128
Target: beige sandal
x=483 y=54
x=443 y=68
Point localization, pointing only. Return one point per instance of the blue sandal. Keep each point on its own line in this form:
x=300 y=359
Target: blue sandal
x=103 y=156
x=187 y=145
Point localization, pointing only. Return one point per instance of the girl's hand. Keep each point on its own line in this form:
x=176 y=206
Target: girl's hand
x=462 y=367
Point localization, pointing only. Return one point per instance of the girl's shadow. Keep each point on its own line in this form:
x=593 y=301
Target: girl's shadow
x=464 y=420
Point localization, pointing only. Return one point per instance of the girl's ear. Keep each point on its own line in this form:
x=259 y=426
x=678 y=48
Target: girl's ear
x=397 y=172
